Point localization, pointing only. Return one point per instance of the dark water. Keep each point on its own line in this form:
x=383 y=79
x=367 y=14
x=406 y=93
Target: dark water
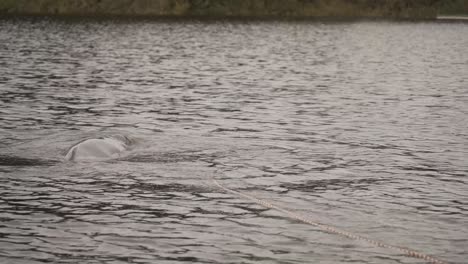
x=363 y=126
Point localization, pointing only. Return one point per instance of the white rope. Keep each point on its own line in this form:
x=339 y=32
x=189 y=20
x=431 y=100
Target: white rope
x=331 y=229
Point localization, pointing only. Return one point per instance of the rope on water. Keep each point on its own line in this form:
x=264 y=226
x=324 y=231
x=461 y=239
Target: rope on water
x=331 y=229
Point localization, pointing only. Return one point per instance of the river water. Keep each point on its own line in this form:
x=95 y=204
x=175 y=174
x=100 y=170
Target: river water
x=359 y=125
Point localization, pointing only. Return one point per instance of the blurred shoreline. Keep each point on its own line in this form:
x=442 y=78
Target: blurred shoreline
x=238 y=9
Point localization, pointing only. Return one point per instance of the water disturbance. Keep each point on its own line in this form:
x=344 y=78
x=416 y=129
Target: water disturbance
x=252 y=142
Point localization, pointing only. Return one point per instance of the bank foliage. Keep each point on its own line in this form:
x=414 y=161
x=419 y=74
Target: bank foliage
x=238 y=8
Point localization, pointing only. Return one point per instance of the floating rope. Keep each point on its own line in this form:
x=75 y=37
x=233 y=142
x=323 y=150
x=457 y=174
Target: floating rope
x=331 y=229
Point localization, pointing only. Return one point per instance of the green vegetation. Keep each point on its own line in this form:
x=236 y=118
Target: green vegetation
x=453 y=7
x=238 y=8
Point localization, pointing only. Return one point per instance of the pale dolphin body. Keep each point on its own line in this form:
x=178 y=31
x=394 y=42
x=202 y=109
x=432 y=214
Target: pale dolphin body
x=99 y=148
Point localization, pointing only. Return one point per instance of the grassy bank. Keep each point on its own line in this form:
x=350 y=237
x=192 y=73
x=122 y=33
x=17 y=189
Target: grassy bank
x=418 y=9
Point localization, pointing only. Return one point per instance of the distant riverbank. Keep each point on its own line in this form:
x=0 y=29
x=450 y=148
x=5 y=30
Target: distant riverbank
x=415 y=9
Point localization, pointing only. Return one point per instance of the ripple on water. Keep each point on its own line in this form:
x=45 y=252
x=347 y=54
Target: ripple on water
x=352 y=124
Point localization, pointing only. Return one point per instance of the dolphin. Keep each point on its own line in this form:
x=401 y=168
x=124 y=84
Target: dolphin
x=108 y=147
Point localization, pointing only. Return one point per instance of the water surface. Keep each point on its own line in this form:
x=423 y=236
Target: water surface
x=360 y=125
